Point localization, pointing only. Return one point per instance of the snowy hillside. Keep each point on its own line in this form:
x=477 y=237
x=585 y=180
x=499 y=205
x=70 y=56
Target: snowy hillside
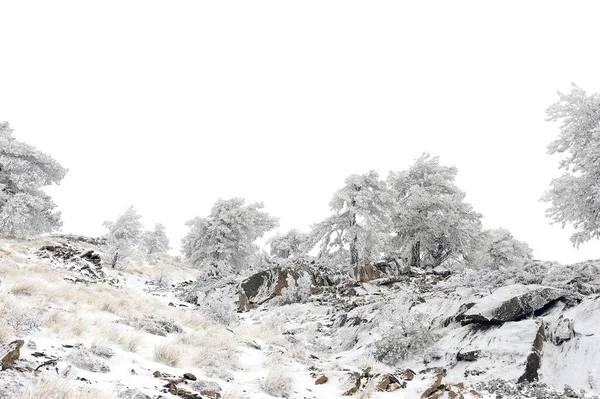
x=73 y=328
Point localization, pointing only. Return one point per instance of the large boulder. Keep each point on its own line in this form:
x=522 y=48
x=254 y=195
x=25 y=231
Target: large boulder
x=268 y=284
x=10 y=352
x=511 y=303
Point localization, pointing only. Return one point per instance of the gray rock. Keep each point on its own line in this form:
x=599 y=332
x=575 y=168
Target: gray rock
x=511 y=303
x=560 y=330
x=268 y=284
x=203 y=386
x=132 y=394
x=534 y=359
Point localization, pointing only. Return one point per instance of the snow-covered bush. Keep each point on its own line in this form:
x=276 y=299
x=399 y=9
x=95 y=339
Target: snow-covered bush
x=123 y=237
x=54 y=387
x=296 y=291
x=408 y=336
x=167 y=353
x=22 y=320
x=219 y=310
x=279 y=383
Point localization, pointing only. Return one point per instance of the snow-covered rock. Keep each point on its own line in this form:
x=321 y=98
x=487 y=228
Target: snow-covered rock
x=511 y=303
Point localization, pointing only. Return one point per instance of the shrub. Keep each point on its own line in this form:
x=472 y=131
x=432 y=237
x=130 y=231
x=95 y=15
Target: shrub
x=408 y=336
x=278 y=383
x=167 y=353
x=296 y=291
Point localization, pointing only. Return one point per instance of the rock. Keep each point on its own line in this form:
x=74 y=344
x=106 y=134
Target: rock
x=154 y=325
x=243 y=303
x=84 y=359
x=157 y=374
x=211 y=394
x=364 y=273
x=85 y=263
x=268 y=284
x=534 y=360
x=354 y=381
x=442 y=270
x=560 y=330
x=102 y=351
x=511 y=303
x=321 y=380
x=206 y=386
x=189 y=376
x=385 y=383
x=407 y=375
x=10 y=352
x=132 y=394
x=433 y=388
x=469 y=356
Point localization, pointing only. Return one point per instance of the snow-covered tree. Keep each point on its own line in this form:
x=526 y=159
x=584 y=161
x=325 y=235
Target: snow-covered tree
x=25 y=209
x=156 y=241
x=292 y=243
x=359 y=222
x=575 y=196
x=430 y=216
x=497 y=248
x=226 y=237
x=123 y=236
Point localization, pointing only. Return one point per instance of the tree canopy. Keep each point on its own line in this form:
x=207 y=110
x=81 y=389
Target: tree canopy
x=359 y=221
x=575 y=196
x=227 y=235
x=123 y=235
x=25 y=209
x=430 y=214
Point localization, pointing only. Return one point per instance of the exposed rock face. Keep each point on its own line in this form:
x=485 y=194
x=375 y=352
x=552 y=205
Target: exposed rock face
x=560 y=331
x=511 y=303
x=268 y=284
x=9 y=353
x=534 y=360
x=85 y=263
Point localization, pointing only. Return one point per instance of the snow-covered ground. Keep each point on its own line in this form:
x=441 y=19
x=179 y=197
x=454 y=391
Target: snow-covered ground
x=129 y=334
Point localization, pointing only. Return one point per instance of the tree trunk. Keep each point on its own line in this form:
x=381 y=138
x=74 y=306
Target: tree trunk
x=115 y=258
x=354 y=252
x=415 y=258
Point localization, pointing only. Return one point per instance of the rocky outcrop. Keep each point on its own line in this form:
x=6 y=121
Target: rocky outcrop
x=560 y=330
x=85 y=263
x=534 y=359
x=10 y=353
x=511 y=303
x=268 y=284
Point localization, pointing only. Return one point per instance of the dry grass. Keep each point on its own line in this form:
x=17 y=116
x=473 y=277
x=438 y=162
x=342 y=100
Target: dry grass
x=61 y=388
x=167 y=353
x=279 y=383
x=130 y=341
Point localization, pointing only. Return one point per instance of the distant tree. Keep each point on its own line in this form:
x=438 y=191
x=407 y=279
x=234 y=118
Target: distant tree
x=25 y=209
x=430 y=215
x=226 y=237
x=497 y=248
x=575 y=196
x=156 y=241
x=123 y=236
x=359 y=222
x=292 y=243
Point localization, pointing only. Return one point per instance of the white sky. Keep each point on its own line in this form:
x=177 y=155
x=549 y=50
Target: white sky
x=170 y=105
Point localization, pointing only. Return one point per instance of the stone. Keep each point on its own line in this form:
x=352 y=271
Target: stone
x=407 y=375
x=206 y=386
x=321 y=380
x=132 y=394
x=469 y=356
x=189 y=376
x=157 y=374
x=560 y=330
x=354 y=380
x=433 y=388
x=243 y=303
x=510 y=303
x=385 y=382
x=10 y=353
